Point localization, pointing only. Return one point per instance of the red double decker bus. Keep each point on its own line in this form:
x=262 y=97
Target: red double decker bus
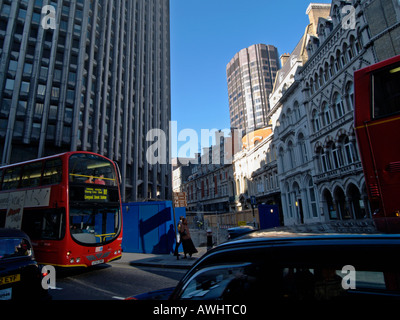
x=377 y=123
x=69 y=205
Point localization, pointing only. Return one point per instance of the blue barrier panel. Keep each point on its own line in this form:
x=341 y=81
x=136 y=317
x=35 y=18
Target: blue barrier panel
x=269 y=216
x=149 y=227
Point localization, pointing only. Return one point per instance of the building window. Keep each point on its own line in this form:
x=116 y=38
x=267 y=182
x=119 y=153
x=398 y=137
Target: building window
x=28 y=68
x=41 y=90
x=315 y=121
x=313 y=199
x=339 y=106
x=350 y=96
x=327 y=114
x=35 y=135
x=350 y=153
x=337 y=157
x=55 y=93
x=9 y=84
x=13 y=65
x=43 y=72
x=25 y=87
x=21 y=110
x=292 y=159
x=18 y=129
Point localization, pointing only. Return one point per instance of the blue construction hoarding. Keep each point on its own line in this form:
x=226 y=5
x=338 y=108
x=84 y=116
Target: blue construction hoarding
x=149 y=226
x=269 y=216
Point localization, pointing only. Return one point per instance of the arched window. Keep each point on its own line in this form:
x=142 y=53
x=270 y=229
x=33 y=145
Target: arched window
x=316 y=83
x=289 y=117
x=312 y=86
x=330 y=163
x=358 y=45
x=337 y=14
x=350 y=150
x=281 y=157
x=312 y=198
x=302 y=149
x=327 y=113
x=326 y=72
x=321 y=77
x=338 y=105
x=296 y=111
x=321 y=163
x=344 y=55
x=315 y=121
x=292 y=159
x=350 y=95
x=283 y=121
x=332 y=67
x=338 y=62
x=289 y=201
x=351 y=52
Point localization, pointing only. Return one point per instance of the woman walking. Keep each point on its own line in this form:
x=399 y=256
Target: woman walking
x=187 y=243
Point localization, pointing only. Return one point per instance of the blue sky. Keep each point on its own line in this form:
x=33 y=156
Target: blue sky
x=206 y=34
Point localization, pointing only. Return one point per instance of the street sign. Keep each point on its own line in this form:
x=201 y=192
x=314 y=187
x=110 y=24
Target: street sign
x=180 y=199
x=253 y=200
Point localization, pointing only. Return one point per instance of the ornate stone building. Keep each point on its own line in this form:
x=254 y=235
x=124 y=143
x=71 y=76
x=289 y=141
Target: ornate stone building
x=320 y=172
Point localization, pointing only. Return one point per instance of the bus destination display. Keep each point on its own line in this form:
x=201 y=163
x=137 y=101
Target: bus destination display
x=96 y=194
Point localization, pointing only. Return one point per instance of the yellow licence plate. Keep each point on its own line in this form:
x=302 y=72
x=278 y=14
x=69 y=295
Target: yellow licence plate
x=10 y=279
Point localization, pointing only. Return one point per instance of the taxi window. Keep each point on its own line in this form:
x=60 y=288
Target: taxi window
x=14 y=248
x=216 y=283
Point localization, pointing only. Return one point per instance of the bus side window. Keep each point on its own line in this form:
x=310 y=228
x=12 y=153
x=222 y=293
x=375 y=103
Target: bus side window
x=11 y=178
x=31 y=175
x=52 y=173
x=1 y=178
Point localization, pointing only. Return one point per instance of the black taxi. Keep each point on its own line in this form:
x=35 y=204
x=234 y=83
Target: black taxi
x=20 y=274
x=286 y=266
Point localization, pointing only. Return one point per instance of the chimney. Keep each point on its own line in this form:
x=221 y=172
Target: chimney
x=284 y=57
x=316 y=11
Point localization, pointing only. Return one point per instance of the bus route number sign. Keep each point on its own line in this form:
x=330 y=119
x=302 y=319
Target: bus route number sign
x=96 y=194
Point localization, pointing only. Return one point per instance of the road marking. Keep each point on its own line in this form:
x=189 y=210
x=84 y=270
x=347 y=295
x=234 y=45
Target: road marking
x=84 y=283
x=118 y=298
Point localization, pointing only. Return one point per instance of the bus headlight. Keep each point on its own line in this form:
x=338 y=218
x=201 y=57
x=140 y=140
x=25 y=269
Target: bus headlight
x=72 y=260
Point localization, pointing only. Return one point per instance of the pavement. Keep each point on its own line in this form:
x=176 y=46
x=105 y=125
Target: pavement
x=161 y=260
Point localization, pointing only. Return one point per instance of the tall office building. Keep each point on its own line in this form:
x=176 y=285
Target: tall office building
x=89 y=75
x=251 y=76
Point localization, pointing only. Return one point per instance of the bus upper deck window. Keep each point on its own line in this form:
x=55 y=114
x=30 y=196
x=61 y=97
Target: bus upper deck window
x=52 y=173
x=11 y=178
x=31 y=175
x=386 y=92
x=91 y=169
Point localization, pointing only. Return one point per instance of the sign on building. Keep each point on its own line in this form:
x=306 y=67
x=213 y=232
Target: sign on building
x=180 y=199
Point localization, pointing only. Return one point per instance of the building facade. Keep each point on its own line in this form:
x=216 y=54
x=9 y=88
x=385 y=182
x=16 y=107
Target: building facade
x=291 y=136
x=255 y=173
x=251 y=75
x=209 y=186
x=87 y=75
x=320 y=172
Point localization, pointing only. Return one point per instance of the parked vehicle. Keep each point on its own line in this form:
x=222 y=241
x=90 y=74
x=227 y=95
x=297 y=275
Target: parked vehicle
x=20 y=275
x=286 y=266
x=237 y=232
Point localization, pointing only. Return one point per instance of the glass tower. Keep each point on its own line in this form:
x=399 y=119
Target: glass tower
x=90 y=75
